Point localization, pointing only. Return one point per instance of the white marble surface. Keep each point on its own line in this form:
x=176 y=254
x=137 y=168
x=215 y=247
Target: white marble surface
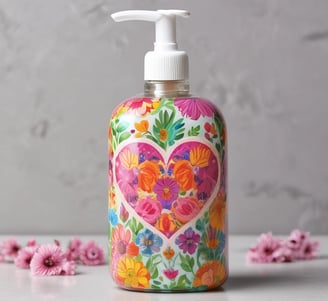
x=65 y=65
x=301 y=281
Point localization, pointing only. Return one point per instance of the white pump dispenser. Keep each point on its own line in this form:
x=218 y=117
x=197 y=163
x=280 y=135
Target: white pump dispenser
x=165 y=62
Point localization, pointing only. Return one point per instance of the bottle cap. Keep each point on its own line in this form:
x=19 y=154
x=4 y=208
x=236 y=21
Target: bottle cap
x=165 y=62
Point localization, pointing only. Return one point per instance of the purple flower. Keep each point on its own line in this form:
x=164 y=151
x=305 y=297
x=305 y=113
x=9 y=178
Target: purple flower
x=195 y=107
x=188 y=241
x=167 y=191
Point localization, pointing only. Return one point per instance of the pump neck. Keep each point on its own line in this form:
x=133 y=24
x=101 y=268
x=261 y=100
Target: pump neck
x=168 y=88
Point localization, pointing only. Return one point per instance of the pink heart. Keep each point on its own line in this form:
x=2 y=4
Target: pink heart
x=167 y=192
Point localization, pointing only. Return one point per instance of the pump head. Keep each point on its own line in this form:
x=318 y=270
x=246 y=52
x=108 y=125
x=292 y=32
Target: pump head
x=165 y=62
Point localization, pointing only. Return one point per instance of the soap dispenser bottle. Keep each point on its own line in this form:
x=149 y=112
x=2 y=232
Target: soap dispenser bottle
x=167 y=176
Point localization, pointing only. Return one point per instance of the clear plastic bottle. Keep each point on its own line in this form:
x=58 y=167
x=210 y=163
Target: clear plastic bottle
x=167 y=177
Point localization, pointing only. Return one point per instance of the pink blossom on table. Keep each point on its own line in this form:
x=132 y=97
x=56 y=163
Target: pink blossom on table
x=309 y=250
x=296 y=240
x=270 y=249
x=73 y=250
x=68 y=268
x=301 y=245
x=283 y=253
x=24 y=257
x=47 y=261
x=9 y=248
x=31 y=243
x=92 y=254
x=2 y=258
x=266 y=249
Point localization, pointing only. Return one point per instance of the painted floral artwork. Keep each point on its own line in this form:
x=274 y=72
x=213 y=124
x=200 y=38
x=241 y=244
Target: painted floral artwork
x=167 y=196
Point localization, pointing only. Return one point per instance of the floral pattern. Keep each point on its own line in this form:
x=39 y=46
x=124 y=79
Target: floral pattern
x=167 y=195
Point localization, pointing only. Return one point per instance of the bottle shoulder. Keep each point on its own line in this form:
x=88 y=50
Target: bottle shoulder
x=190 y=107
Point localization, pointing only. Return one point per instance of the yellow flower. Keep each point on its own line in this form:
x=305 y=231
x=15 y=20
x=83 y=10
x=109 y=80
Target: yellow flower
x=129 y=160
x=199 y=156
x=132 y=273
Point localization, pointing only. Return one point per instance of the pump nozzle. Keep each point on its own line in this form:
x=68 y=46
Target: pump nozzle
x=165 y=62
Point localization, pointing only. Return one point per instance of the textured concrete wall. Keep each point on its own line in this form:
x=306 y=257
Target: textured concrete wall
x=64 y=65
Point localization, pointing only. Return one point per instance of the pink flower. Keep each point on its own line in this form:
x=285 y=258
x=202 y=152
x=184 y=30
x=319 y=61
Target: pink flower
x=124 y=214
x=302 y=247
x=266 y=250
x=92 y=254
x=149 y=209
x=31 y=243
x=185 y=209
x=195 y=107
x=171 y=273
x=296 y=240
x=47 y=261
x=73 y=251
x=68 y=268
x=309 y=250
x=9 y=248
x=2 y=258
x=24 y=257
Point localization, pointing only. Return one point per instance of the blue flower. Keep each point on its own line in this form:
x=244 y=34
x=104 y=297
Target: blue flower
x=148 y=242
x=112 y=217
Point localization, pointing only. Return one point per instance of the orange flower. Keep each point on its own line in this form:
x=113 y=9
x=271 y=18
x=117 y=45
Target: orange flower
x=168 y=253
x=218 y=211
x=184 y=175
x=129 y=160
x=199 y=156
x=148 y=175
x=213 y=129
x=142 y=126
x=132 y=249
x=132 y=273
x=166 y=224
x=163 y=134
x=210 y=274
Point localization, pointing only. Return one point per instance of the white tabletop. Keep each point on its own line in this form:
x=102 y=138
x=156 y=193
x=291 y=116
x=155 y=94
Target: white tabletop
x=305 y=280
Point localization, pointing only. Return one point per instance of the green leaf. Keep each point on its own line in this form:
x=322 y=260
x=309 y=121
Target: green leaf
x=187 y=263
x=155 y=287
x=157 y=282
x=124 y=136
x=121 y=127
x=183 y=282
x=186 y=267
x=194 y=131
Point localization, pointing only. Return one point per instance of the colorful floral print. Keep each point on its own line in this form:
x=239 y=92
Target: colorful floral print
x=167 y=208
x=164 y=193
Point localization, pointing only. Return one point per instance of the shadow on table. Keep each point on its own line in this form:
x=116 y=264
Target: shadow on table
x=238 y=282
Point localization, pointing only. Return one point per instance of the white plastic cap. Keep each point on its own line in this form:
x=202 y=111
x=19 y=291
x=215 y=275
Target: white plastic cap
x=165 y=62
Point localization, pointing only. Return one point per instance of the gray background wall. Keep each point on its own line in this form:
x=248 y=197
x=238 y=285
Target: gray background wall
x=65 y=65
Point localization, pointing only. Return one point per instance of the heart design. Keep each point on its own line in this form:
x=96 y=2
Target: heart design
x=167 y=190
